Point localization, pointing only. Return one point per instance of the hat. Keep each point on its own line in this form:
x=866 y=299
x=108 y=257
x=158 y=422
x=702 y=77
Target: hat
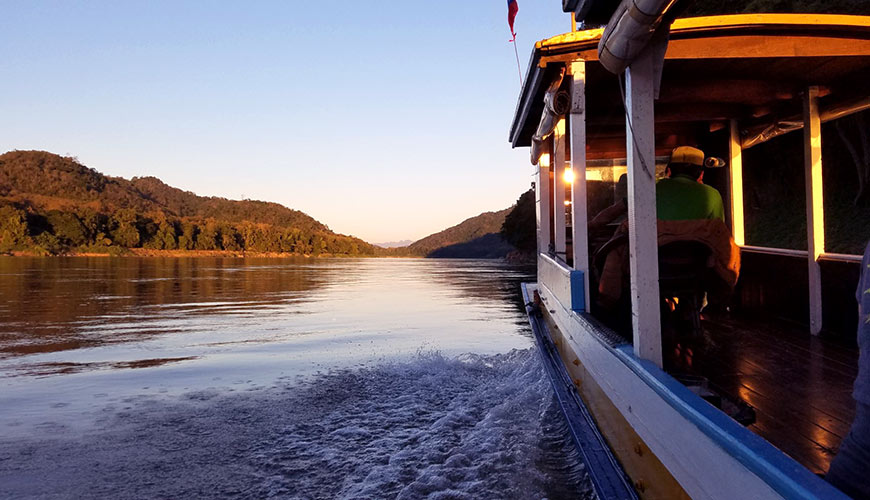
x=687 y=154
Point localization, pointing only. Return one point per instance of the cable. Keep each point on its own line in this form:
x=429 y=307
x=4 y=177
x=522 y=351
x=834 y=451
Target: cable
x=631 y=128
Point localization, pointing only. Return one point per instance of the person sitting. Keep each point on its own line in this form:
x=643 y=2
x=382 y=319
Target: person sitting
x=615 y=211
x=682 y=195
x=687 y=210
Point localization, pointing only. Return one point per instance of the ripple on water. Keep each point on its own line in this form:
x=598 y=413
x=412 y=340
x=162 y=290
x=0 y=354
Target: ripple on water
x=436 y=428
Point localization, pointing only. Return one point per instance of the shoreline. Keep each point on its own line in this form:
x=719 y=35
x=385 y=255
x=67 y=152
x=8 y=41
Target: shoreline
x=145 y=252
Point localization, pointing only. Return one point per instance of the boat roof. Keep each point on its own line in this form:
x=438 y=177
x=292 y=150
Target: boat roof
x=749 y=67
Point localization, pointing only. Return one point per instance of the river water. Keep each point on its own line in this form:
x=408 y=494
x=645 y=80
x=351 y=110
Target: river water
x=281 y=378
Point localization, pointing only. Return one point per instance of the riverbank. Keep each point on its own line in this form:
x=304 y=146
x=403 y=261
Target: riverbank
x=146 y=252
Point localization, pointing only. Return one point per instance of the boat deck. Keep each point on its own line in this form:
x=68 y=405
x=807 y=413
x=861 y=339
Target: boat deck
x=799 y=385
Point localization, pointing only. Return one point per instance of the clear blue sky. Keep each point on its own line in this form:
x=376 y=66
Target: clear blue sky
x=386 y=120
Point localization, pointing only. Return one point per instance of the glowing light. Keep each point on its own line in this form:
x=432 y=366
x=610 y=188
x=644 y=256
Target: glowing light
x=817 y=199
x=736 y=166
x=568 y=175
x=545 y=160
x=567 y=203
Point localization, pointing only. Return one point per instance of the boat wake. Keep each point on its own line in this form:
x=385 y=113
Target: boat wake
x=437 y=428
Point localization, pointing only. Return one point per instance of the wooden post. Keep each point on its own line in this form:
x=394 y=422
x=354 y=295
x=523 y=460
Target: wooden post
x=577 y=127
x=559 y=160
x=815 y=203
x=643 y=236
x=735 y=173
x=542 y=202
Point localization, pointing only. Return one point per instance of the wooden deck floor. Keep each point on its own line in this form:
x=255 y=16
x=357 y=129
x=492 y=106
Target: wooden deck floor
x=799 y=385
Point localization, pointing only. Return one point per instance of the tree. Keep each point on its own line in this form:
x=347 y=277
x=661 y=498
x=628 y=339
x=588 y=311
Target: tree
x=166 y=235
x=67 y=228
x=519 y=227
x=47 y=244
x=124 y=230
x=13 y=228
x=96 y=226
x=208 y=238
x=231 y=239
x=318 y=244
x=187 y=238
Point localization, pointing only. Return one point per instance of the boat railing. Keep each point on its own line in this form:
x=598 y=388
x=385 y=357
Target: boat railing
x=788 y=252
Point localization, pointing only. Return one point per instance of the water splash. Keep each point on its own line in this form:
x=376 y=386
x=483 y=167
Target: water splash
x=435 y=427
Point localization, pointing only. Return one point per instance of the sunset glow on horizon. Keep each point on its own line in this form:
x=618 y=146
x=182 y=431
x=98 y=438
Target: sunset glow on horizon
x=387 y=123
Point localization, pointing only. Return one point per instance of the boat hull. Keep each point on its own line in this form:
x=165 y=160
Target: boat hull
x=669 y=442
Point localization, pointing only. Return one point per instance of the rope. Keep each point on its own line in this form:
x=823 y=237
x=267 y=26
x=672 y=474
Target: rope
x=631 y=127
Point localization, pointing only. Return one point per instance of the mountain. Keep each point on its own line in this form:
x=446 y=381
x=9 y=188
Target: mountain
x=54 y=204
x=47 y=180
x=394 y=244
x=478 y=237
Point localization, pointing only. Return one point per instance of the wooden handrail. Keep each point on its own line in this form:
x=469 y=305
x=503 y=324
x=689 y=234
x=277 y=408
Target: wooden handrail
x=788 y=252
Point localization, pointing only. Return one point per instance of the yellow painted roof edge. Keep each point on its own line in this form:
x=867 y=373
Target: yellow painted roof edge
x=727 y=21
x=571 y=37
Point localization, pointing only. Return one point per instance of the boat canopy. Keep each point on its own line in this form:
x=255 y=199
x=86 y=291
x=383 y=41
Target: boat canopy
x=749 y=68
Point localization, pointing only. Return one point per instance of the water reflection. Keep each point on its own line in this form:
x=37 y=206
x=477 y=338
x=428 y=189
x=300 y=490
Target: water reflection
x=182 y=309
x=74 y=303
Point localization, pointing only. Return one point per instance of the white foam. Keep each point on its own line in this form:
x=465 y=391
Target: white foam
x=468 y=427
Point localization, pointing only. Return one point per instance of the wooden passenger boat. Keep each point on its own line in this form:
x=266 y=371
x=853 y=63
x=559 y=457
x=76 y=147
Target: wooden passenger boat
x=729 y=82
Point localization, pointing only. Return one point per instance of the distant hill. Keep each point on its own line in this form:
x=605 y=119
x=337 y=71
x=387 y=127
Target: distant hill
x=478 y=237
x=394 y=244
x=49 y=181
x=54 y=204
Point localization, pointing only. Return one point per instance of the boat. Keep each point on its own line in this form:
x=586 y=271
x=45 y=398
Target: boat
x=763 y=415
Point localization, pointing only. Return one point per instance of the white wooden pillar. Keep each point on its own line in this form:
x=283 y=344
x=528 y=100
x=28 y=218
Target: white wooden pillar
x=577 y=70
x=542 y=202
x=643 y=237
x=559 y=160
x=815 y=203
x=735 y=171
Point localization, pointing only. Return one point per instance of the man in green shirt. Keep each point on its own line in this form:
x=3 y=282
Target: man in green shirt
x=682 y=196
x=679 y=197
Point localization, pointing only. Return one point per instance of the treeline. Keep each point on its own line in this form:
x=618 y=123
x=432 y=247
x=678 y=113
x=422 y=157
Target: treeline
x=87 y=231
x=52 y=205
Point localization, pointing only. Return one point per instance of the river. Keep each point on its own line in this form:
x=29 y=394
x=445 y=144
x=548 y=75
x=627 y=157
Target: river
x=274 y=378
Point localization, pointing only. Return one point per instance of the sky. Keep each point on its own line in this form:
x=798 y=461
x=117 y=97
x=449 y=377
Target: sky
x=386 y=120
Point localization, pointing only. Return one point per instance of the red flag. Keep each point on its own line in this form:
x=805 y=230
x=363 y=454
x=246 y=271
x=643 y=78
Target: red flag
x=513 y=8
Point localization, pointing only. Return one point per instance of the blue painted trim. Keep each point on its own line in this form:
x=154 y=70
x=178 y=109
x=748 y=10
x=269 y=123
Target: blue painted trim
x=781 y=472
x=578 y=291
x=607 y=477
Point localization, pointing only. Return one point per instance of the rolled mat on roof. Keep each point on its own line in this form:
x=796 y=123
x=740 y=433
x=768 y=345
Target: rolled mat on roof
x=556 y=104
x=629 y=31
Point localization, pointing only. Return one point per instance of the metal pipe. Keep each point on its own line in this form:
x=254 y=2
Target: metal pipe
x=764 y=133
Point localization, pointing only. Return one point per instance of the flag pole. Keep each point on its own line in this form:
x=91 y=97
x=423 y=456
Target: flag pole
x=513 y=8
x=517 y=54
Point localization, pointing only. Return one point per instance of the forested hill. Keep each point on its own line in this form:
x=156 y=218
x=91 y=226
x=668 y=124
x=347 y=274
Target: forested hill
x=477 y=237
x=714 y=7
x=53 y=204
